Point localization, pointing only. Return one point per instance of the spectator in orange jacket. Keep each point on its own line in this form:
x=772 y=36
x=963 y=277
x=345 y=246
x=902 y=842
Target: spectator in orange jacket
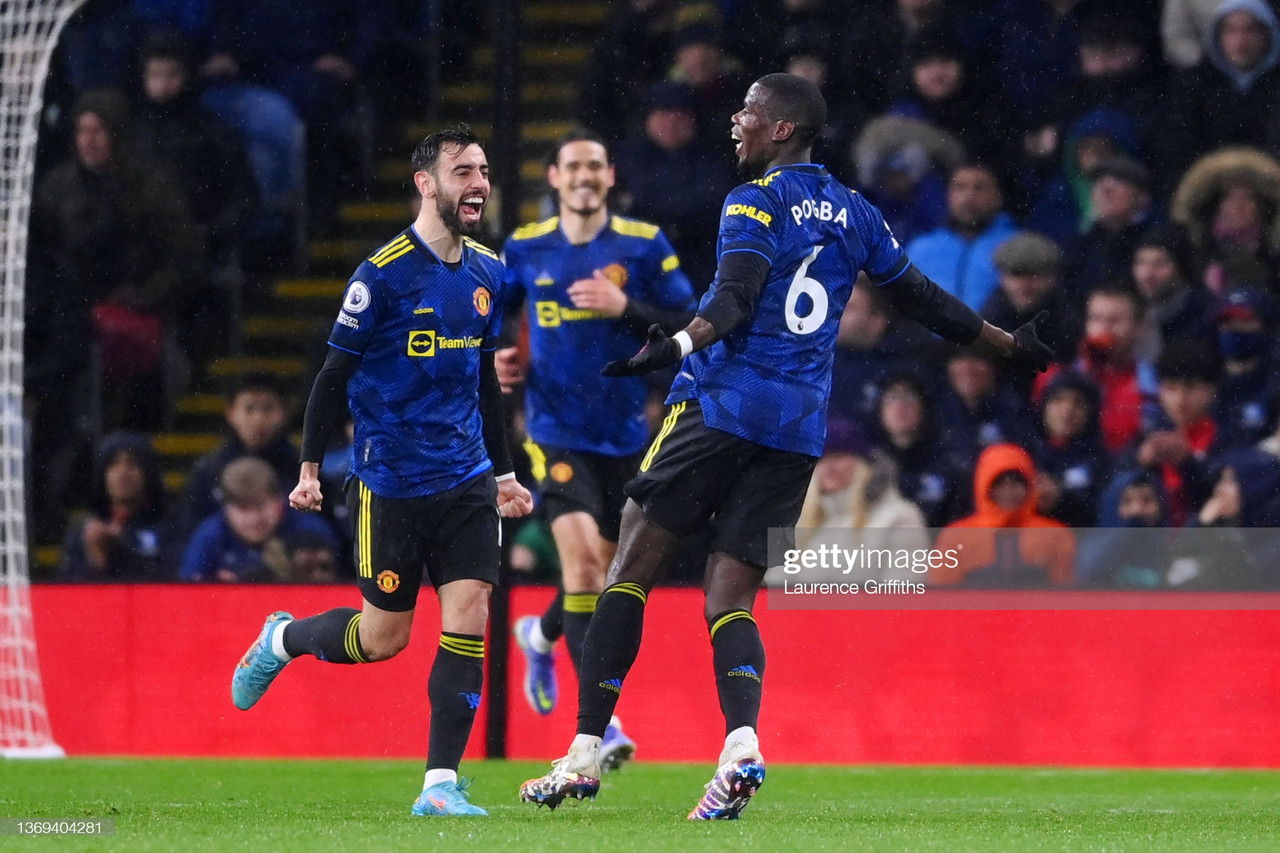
x=1005 y=543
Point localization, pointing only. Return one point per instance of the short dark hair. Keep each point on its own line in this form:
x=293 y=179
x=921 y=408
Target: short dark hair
x=256 y=380
x=1121 y=290
x=578 y=134
x=167 y=44
x=428 y=150
x=974 y=164
x=1188 y=361
x=794 y=98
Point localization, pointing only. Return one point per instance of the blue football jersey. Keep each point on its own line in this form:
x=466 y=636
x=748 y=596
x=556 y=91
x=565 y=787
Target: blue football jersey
x=768 y=380
x=568 y=403
x=419 y=327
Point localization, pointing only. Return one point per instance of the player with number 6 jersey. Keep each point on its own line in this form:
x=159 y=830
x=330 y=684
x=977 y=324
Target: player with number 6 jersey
x=747 y=421
x=768 y=380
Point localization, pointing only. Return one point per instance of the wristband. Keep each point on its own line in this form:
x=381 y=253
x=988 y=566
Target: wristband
x=683 y=341
x=510 y=475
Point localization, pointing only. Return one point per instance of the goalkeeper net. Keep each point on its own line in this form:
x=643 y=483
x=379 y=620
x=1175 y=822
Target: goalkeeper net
x=28 y=33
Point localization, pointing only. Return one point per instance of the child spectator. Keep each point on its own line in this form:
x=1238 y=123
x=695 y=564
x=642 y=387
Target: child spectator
x=1006 y=544
x=124 y=537
x=1127 y=551
x=1072 y=461
x=256 y=537
x=1186 y=440
x=256 y=413
x=908 y=436
x=976 y=411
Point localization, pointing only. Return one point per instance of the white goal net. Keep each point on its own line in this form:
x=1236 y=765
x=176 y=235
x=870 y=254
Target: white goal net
x=28 y=33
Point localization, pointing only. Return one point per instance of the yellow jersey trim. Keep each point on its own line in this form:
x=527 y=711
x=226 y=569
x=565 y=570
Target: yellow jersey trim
x=536 y=229
x=633 y=228
x=480 y=247
x=380 y=256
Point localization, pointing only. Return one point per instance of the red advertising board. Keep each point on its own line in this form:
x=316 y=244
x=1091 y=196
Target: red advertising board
x=145 y=670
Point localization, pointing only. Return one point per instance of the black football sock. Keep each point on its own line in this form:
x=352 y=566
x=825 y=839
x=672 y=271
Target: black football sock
x=611 y=646
x=332 y=636
x=453 y=689
x=578 y=609
x=552 y=622
x=738 y=656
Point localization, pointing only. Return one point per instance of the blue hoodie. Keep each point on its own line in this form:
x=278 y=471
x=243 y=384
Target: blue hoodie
x=1243 y=80
x=1124 y=553
x=1063 y=211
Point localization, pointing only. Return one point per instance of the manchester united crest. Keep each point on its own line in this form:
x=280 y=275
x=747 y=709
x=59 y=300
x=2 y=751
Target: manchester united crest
x=483 y=301
x=388 y=581
x=616 y=273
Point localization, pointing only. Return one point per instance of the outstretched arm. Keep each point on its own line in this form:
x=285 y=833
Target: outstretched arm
x=739 y=281
x=918 y=297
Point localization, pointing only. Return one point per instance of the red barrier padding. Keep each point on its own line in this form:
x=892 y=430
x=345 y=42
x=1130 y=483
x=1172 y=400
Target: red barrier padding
x=145 y=670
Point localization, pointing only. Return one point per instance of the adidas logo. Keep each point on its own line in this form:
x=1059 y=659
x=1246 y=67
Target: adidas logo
x=614 y=684
x=745 y=671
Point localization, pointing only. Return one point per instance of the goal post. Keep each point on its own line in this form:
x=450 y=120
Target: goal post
x=28 y=34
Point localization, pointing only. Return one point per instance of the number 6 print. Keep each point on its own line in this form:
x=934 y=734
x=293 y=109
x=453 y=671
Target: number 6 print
x=802 y=284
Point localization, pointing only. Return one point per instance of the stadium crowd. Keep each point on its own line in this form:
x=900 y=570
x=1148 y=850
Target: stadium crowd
x=1112 y=164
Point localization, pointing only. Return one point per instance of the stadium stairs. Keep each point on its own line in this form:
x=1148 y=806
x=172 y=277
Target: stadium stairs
x=285 y=332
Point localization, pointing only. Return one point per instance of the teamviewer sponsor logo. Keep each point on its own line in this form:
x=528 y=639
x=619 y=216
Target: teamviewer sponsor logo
x=422 y=344
x=427 y=343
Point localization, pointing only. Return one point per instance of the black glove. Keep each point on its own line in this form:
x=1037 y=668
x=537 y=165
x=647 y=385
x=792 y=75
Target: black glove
x=1028 y=349
x=658 y=352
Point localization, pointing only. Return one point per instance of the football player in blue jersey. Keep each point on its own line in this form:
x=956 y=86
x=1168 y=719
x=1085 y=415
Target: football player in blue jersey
x=747 y=420
x=412 y=355
x=594 y=283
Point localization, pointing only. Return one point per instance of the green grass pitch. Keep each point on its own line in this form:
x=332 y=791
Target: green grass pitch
x=181 y=805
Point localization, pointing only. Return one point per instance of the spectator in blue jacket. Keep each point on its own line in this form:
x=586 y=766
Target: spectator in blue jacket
x=958 y=256
x=256 y=537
